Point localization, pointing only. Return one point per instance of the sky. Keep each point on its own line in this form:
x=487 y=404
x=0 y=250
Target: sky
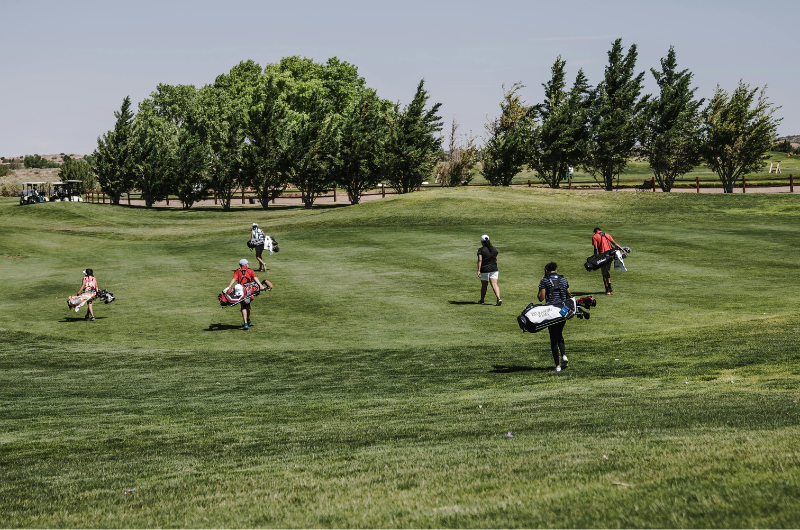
x=67 y=66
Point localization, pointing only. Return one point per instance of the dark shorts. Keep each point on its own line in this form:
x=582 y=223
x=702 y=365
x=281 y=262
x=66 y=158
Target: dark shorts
x=606 y=269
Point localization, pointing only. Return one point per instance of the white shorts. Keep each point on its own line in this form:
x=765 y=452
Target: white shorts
x=486 y=275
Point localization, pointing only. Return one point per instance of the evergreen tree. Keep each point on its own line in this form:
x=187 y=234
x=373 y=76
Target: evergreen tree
x=672 y=140
x=616 y=117
x=738 y=131
x=114 y=164
x=507 y=139
x=559 y=142
x=77 y=169
x=357 y=166
x=411 y=144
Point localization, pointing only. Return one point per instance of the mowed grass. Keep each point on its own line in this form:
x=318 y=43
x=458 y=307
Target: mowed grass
x=371 y=393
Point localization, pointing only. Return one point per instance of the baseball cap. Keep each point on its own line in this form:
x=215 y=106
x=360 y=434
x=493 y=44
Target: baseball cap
x=255 y=225
x=484 y=237
x=243 y=261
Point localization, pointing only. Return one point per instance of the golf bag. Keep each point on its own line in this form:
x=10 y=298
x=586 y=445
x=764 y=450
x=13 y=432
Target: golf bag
x=78 y=301
x=270 y=245
x=238 y=294
x=537 y=317
x=598 y=260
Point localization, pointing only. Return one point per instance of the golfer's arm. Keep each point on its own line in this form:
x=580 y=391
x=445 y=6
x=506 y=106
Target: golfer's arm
x=542 y=294
x=480 y=260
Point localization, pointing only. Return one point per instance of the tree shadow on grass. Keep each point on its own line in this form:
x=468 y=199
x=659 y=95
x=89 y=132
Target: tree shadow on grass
x=510 y=369
x=222 y=327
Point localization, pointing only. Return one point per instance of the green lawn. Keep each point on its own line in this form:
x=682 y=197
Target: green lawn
x=371 y=393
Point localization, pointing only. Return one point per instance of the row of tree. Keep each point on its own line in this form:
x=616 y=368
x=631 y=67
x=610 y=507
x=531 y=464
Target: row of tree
x=299 y=123
x=602 y=128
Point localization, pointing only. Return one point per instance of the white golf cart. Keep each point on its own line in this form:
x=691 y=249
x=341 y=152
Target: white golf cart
x=69 y=191
x=33 y=192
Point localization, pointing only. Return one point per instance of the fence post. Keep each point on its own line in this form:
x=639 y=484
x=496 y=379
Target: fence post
x=383 y=191
x=167 y=199
x=654 y=184
x=744 y=184
x=242 y=194
x=791 y=183
x=334 y=193
x=697 y=183
x=104 y=197
x=129 y=198
x=569 y=183
x=529 y=183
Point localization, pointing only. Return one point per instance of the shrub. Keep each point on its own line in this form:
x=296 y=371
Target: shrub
x=38 y=162
x=4 y=170
x=10 y=187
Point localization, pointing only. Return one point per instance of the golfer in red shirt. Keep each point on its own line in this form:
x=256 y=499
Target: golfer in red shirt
x=603 y=242
x=243 y=275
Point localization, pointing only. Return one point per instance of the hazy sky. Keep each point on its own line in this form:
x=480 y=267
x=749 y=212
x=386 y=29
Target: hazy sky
x=67 y=65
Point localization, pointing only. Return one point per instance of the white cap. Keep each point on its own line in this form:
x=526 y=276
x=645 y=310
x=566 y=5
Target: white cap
x=243 y=261
x=484 y=237
x=255 y=225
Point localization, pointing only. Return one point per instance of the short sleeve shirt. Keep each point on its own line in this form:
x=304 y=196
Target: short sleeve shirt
x=244 y=275
x=89 y=283
x=256 y=233
x=489 y=259
x=556 y=287
x=603 y=241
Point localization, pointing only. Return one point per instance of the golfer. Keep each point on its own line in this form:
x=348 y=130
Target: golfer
x=603 y=242
x=243 y=275
x=89 y=284
x=257 y=234
x=487 y=268
x=555 y=289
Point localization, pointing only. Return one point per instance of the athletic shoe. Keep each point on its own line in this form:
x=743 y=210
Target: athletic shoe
x=92 y=319
x=249 y=323
x=558 y=368
x=608 y=293
x=610 y=289
x=481 y=302
x=564 y=360
x=246 y=327
x=499 y=302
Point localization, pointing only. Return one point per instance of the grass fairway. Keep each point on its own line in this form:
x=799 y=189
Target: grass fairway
x=371 y=393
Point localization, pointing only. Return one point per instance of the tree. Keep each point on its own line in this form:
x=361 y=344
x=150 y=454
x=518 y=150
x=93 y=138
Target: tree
x=559 y=142
x=357 y=166
x=411 y=144
x=77 y=169
x=39 y=162
x=312 y=146
x=456 y=168
x=782 y=146
x=616 y=117
x=114 y=164
x=264 y=156
x=672 y=136
x=507 y=139
x=738 y=131
x=150 y=153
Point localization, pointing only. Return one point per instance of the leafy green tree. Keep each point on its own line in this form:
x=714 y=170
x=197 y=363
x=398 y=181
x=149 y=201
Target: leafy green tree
x=559 y=142
x=114 y=164
x=312 y=147
x=738 y=131
x=150 y=152
x=616 y=116
x=411 y=144
x=265 y=153
x=357 y=165
x=507 y=139
x=672 y=135
x=38 y=162
x=783 y=146
x=77 y=169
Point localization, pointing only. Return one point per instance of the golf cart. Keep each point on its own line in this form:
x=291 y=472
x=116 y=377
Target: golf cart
x=69 y=191
x=33 y=192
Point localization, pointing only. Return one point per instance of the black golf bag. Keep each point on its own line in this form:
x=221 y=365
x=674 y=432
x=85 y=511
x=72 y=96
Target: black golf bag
x=598 y=260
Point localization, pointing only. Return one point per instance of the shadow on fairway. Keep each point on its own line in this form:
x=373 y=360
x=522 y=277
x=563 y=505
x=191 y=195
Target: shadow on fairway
x=456 y=302
x=221 y=327
x=503 y=369
x=79 y=319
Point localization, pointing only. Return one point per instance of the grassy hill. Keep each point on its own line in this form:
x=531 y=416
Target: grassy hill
x=371 y=391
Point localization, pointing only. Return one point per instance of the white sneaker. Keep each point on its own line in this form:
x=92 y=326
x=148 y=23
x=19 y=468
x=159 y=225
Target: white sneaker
x=564 y=358
x=558 y=368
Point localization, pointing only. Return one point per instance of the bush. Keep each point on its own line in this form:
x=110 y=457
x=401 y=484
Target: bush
x=4 y=170
x=10 y=187
x=784 y=146
x=73 y=169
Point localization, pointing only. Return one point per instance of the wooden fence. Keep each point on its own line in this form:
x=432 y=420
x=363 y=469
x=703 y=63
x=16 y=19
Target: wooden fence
x=248 y=195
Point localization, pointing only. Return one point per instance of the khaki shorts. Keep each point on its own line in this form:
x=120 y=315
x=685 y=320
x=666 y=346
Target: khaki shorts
x=486 y=275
